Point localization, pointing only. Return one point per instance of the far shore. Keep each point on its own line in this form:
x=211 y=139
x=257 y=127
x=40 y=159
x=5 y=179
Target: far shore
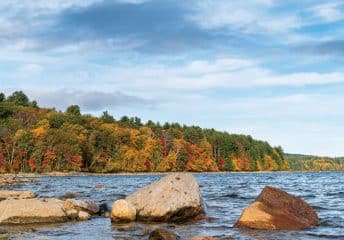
x=70 y=174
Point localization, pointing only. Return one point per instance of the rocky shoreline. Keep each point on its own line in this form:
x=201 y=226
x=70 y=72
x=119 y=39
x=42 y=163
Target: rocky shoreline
x=174 y=198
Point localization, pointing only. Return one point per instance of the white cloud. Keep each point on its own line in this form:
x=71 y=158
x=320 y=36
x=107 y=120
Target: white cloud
x=329 y=12
x=252 y=16
x=226 y=73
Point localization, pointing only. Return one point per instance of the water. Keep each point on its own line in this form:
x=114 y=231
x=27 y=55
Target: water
x=225 y=196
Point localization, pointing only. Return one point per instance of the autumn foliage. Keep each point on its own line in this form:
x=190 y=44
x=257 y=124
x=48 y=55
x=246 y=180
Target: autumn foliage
x=34 y=139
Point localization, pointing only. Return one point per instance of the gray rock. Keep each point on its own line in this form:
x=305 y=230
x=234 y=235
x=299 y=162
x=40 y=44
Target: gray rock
x=81 y=205
x=123 y=211
x=21 y=211
x=174 y=198
x=6 y=194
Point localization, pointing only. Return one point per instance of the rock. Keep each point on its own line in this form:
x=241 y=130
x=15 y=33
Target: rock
x=105 y=210
x=176 y=197
x=123 y=211
x=162 y=234
x=69 y=195
x=72 y=214
x=276 y=209
x=99 y=186
x=11 y=180
x=81 y=205
x=6 y=194
x=19 y=211
x=83 y=216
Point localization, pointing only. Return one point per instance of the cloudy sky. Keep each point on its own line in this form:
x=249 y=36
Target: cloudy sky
x=272 y=69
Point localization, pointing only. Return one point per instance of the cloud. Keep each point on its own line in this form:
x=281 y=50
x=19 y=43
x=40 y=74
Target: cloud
x=152 y=27
x=156 y=27
x=329 y=12
x=93 y=101
x=251 y=16
x=218 y=73
x=329 y=48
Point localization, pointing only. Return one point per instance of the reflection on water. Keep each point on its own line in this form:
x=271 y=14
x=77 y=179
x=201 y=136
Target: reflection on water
x=225 y=195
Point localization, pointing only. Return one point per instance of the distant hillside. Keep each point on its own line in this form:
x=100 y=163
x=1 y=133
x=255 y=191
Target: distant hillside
x=299 y=162
x=34 y=139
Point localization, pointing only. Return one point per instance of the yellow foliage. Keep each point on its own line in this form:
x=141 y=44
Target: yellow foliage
x=271 y=164
x=38 y=132
x=19 y=134
x=169 y=163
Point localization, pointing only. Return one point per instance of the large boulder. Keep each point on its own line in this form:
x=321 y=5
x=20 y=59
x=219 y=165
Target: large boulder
x=7 y=194
x=175 y=197
x=276 y=209
x=122 y=211
x=21 y=211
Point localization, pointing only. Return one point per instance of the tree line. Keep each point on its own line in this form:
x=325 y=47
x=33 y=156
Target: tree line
x=298 y=162
x=34 y=139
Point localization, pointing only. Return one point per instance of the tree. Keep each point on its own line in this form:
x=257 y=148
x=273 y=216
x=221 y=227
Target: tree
x=19 y=98
x=107 y=118
x=34 y=104
x=2 y=97
x=73 y=110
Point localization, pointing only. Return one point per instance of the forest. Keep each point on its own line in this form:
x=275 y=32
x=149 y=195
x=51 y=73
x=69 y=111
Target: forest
x=34 y=139
x=298 y=162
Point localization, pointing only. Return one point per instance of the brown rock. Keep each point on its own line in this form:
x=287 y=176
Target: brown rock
x=162 y=234
x=276 y=209
x=175 y=197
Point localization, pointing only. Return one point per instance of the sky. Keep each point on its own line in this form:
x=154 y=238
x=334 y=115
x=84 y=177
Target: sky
x=271 y=69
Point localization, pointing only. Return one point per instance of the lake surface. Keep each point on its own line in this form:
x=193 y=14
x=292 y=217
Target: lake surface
x=225 y=195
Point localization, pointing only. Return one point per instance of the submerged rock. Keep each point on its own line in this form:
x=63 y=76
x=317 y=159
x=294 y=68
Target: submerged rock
x=21 y=211
x=11 y=180
x=162 y=234
x=276 y=209
x=123 y=211
x=176 y=197
x=202 y=238
x=69 y=195
x=6 y=194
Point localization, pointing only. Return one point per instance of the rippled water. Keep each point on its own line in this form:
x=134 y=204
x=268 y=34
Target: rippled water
x=225 y=196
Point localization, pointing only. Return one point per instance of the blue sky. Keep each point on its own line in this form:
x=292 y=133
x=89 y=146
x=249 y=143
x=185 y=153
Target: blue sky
x=271 y=69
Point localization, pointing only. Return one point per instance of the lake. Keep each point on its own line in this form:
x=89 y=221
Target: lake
x=225 y=195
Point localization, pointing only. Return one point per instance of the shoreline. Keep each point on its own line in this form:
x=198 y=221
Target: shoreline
x=71 y=174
